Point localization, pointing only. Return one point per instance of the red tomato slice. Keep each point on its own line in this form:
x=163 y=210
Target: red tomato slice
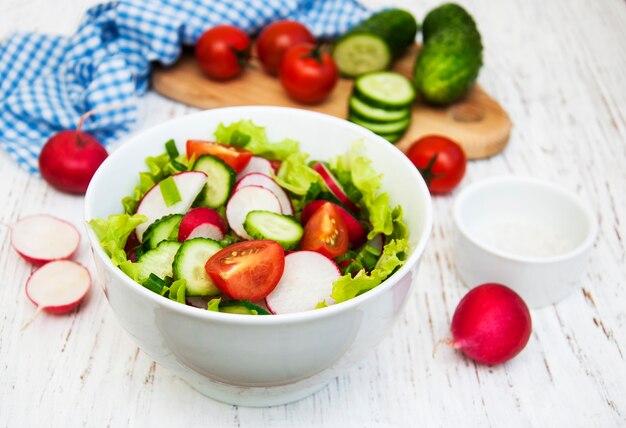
x=326 y=232
x=247 y=270
x=235 y=157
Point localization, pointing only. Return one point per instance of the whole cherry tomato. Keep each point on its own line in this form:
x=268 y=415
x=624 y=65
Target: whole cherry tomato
x=308 y=74
x=276 y=38
x=441 y=162
x=223 y=52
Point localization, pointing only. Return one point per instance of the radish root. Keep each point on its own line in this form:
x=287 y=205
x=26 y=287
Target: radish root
x=449 y=341
x=30 y=321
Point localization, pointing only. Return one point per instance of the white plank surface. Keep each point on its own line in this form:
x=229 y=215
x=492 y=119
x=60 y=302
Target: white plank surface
x=559 y=68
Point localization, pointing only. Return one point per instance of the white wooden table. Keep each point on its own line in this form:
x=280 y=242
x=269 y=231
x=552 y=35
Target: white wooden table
x=559 y=68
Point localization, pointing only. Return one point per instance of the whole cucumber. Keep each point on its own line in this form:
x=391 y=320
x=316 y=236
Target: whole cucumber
x=448 y=64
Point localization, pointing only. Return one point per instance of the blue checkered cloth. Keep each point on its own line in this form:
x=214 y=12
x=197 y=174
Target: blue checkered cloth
x=48 y=82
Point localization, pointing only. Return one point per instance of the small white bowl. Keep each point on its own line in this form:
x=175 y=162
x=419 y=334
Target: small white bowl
x=527 y=234
x=266 y=360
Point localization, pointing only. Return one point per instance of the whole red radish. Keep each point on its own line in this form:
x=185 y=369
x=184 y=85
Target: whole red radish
x=491 y=324
x=69 y=159
x=276 y=38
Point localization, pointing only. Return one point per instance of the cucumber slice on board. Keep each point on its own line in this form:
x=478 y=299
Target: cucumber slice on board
x=383 y=128
x=385 y=90
x=158 y=260
x=220 y=180
x=373 y=114
x=189 y=264
x=393 y=138
x=280 y=228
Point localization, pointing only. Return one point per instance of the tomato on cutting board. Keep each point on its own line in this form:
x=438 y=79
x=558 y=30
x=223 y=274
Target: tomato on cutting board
x=440 y=160
x=276 y=38
x=247 y=270
x=235 y=157
x=223 y=52
x=308 y=74
x=326 y=232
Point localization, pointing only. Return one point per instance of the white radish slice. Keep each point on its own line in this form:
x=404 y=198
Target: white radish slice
x=43 y=238
x=246 y=199
x=258 y=179
x=257 y=164
x=202 y=223
x=152 y=205
x=57 y=287
x=334 y=186
x=307 y=280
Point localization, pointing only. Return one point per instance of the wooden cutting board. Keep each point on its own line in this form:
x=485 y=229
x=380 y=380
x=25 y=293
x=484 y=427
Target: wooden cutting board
x=477 y=122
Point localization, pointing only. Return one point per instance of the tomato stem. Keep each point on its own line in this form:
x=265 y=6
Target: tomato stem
x=242 y=55
x=316 y=53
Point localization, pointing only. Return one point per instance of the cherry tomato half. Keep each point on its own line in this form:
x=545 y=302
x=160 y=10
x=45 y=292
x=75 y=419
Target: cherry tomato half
x=235 y=157
x=223 y=52
x=440 y=160
x=307 y=74
x=276 y=38
x=326 y=232
x=247 y=270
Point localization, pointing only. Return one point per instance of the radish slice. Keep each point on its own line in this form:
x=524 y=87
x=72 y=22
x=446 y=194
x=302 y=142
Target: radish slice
x=246 y=199
x=57 y=287
x=202 y=223
x=259 y=165
x=356 y=231
x=44 y=238
x=307 y=280
x=258 y=179
x=334 y=186
x=152 y=205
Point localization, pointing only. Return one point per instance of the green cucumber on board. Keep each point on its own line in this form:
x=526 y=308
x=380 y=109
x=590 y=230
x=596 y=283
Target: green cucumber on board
x=374 y=43
x=220 y=181
x=364 y=111
x=446 y=16
x=383 y=128
x=385 y=90
x=393 y=138
x=188 y=264
x=283 y=229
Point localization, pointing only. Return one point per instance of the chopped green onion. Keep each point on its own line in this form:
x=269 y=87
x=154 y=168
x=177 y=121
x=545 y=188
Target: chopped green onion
x=178 y=166
x=171 y=149
x=169 y=191
x=214 y=305
x=154 y=283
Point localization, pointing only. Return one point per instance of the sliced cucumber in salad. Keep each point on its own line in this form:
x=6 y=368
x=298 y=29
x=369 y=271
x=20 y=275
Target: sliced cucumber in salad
x=242 y=307
x=269 y=225
x=159 y=260
x=220 y=180
x=165 y=228
x=188 y=264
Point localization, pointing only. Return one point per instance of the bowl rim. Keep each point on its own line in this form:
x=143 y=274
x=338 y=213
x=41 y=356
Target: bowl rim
x=305 y=316
x=564 y=193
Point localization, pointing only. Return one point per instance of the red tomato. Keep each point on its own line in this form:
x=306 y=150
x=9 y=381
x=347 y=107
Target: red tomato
x=247 y=270
x=222 y=52
x=326 y=232
x=440 y=160
x=235 y=157
x=307 y=74
x=276 y=38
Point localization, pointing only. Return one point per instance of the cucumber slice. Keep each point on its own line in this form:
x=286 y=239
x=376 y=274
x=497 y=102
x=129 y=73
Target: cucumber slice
x=393 y=138
x=360 y=53
x=383 y=128
x=385 y=89
x=164 y=229
x=220 y=180
x=158 y=260
x=268 y=225
x=373 y=114
x=242 y=307
x=189 y=265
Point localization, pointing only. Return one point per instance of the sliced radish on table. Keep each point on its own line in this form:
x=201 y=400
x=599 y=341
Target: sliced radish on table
x=356 y=231
x=307 y=280
x=334 y=186
x=44 y=238
x=257 y=164
x=174 y=195
x=57 y=287
x=202 y=223
x=246 y=199
x=258 y=179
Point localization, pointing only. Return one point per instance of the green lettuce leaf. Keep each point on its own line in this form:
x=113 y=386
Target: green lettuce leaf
x=113 y=233
x=214 y=304
x=254 y=138
x=296 y=176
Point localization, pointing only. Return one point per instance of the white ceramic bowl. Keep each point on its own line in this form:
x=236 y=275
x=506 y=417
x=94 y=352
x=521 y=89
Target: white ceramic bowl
x=259 y=361
x=527 y=234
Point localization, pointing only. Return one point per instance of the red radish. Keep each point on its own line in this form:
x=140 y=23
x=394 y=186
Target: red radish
x=257 y=164
x=334 y=186
x=356 y=231
x=70 y=158
x=491 y=324
x=202 y=223
x=258 y=179
x=57 y=287
x=307 y=280
x=153 y=206
x=248 y=199
x=44 y=238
